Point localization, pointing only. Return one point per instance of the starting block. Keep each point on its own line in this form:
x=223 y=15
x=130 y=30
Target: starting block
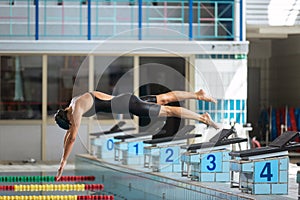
x=209 y=161
x=264 y=170
x=130 y=149
x=103 y=143
x=164 y=154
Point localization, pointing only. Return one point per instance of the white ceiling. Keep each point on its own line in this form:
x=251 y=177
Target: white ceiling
x=272 y=18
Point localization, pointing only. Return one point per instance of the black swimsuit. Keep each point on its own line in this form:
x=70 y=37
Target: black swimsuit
x=126 y=104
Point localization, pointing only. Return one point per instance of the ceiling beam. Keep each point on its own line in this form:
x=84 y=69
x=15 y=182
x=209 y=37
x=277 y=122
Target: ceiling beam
x=266 y=36
x=280 y=30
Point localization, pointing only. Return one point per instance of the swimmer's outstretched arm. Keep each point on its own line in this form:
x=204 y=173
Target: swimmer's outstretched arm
x=173 y=111
x=69 y=139
x=173 y=96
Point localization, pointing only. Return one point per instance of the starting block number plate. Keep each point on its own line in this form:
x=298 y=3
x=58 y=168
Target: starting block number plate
x=169 y=155
x=136 y=148
x=266 y=171
x=108 y=144
x=211 y=162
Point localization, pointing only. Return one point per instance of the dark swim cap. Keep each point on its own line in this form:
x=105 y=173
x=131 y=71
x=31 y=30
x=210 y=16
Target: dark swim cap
x=61 y=119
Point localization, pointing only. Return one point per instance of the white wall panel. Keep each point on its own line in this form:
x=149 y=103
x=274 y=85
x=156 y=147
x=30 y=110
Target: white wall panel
x=20 y=142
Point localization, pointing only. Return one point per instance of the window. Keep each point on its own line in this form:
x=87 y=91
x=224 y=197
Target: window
x=113 y=75
x=67 y=78
x=21 y=87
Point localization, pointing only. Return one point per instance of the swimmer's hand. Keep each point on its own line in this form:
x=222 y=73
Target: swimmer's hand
x=61 y=169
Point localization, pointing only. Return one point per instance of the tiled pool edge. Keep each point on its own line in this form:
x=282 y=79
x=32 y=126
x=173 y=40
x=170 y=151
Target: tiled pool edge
x=129 y=176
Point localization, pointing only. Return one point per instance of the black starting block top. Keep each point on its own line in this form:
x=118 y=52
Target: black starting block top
x=220 y=139
x=115 y=129
x=142 y=134
x=169 y=139
x=282 y=143
x=180 y=135
x=152 y=130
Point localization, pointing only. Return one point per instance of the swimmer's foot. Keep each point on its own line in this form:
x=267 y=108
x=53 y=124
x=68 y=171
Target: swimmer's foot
x=201 y=95
x=206 y=119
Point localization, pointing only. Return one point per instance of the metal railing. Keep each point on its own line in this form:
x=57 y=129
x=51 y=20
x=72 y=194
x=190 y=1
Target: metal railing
x=124 y=19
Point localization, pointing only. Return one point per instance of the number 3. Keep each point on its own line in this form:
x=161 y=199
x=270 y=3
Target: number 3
x=213 y=167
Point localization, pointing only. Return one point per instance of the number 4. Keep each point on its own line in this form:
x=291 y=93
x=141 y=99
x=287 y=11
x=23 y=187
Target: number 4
x=266 y=172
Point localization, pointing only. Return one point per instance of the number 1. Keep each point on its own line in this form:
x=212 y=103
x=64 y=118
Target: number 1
x=136 y=148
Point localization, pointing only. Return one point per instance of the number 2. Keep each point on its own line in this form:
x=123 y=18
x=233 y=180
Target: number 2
x=168 y=159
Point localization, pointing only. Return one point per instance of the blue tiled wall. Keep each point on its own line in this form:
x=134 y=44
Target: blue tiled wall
x=225 y=109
